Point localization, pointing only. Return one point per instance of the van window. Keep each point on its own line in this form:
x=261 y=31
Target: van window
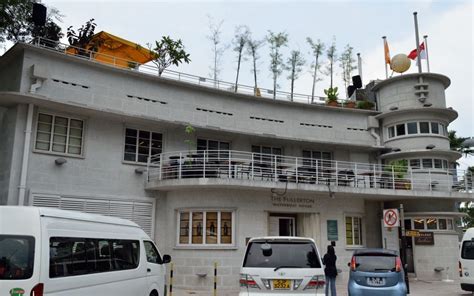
x=152 y=254
x=375 y=263
x=16 y=257
x=76 y=256
x=467 y=251
x=282 y=254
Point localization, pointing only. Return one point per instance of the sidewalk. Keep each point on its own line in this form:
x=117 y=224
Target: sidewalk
x=417 y=288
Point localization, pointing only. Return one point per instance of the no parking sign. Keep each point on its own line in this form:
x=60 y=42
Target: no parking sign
x=391 y=218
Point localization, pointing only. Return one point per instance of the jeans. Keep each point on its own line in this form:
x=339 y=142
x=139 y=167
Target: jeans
x=331 y=281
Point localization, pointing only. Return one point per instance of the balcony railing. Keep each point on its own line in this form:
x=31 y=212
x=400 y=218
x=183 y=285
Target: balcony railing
x=174 y=75
x=241 y=165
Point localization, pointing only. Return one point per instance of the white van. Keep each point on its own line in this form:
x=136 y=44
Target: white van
x=53 y=252
x=466 y=261
x=281 y=266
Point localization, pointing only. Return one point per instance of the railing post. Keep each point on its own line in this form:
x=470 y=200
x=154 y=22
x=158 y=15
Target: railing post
x=337 y=175
x=204 y=165
x=161 y=166
x=296 y=169
x=429 y=184
x=411 y=179
x=317 y=172
x=251 y=172
x=374 y=177
x=148 y=160
x=230 y=165
x=90 y=54
x=180 y=164
x=355 y=175
x=393 y=177
x=275 y=166
x=465 y=180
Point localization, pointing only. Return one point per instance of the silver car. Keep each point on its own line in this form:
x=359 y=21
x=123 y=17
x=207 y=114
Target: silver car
x=376 y=272
x=281 y=266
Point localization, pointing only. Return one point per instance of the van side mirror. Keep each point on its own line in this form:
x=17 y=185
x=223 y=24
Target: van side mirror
x=349 y=264
x=166 y=259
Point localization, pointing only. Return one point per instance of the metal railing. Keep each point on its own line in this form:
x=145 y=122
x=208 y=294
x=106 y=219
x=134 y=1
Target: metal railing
x=174 y=75
x=243 y=165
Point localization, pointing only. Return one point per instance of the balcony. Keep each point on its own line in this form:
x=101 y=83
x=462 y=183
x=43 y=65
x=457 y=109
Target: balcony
x=240 y=169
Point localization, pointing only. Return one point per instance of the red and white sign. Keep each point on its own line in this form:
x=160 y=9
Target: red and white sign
x=391 y=218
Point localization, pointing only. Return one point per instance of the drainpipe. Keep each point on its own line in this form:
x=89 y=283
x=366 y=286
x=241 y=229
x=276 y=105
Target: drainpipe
x=375 y=135
x=26 y=150
x=38 y=83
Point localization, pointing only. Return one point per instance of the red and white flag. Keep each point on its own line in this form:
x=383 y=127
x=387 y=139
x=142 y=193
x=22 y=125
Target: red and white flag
x=412 y=55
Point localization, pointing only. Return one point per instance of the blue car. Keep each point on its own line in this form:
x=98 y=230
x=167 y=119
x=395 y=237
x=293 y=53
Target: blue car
x=376 y=272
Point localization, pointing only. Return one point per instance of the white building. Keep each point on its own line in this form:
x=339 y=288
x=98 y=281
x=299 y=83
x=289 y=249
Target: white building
x=77 y=134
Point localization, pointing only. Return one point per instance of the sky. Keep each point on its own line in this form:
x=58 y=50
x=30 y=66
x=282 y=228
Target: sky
x=361 y=24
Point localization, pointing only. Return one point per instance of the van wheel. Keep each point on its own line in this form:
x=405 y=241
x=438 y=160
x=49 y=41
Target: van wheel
x=154 y=293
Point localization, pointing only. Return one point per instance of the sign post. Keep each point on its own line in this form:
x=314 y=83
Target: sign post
x=404 y=243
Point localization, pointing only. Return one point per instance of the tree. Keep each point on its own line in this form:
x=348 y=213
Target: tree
x=252 y=47
x=295 y=65
x=332 y=56
x=16 y=22
x=317 y=49
x=457 y=143
x=168 y=52
x=217 y=50
x=241 y=36
x=276 y=41
x=82 y=39
x=347 y=64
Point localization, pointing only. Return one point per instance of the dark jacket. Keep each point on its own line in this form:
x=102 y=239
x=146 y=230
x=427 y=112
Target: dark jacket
x=329 y=262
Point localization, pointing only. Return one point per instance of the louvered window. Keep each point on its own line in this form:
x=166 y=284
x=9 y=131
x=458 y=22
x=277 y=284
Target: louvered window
x=138 y=212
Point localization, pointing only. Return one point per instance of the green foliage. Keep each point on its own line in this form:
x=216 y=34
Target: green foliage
x=317 y=49
x=457 y=143
x=276 y=41
x=16 y=22
x=242 y=34
x=169 y=52
x=252 y=50
x=365 y=104
x=82 y=39
x=294 y=65
x=189 y=130
x=332 y=57
x=347 y=65
x=400 y=168
x=331 y=93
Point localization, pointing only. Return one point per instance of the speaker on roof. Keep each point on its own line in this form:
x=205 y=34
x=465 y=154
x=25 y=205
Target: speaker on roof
x=39 y=14
x=350 y=90
x=357 y=81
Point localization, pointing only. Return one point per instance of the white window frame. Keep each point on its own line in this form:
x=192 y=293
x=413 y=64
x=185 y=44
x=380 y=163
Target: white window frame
x=442 y=129
x=444 y=164
x=50 y=151
x=361 y=230
x=137 y=146
x=204 y=244
x=425 y=224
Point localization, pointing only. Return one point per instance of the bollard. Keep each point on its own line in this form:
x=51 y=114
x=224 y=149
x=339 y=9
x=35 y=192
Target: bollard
x=215 y=278
x=171 y=279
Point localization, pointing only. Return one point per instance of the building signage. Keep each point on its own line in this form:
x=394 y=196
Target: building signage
x=292 y=202
x=412 y=233
x=391 y=218
x=425 y=239
x=332 y=230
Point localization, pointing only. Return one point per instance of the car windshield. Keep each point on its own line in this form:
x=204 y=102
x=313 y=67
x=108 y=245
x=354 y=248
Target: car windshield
x=375 y=263
x=467 y=251
x=16 y=257
x=282 y=255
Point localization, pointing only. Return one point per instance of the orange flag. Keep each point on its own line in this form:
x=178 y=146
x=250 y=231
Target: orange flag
x=387 y=52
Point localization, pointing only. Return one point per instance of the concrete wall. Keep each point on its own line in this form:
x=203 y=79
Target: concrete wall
x=11 y=71
x=74 y=81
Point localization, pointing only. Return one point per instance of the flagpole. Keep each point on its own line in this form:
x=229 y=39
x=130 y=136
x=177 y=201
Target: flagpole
x=384 y=60
x=359 y=65
x=417 y=37
x=427 y=57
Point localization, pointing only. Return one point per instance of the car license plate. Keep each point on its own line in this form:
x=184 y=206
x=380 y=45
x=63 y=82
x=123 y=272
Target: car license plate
x=375 y=281
x=281 y=284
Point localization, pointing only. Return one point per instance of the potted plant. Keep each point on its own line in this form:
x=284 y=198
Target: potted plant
x=365 y=104
x=350 y=104
x=331 y=94
x=400 y=168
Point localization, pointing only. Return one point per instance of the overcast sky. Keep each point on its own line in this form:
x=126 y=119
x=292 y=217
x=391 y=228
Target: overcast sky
x=449 y=25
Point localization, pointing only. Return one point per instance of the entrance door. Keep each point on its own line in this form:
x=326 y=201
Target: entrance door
x=281 y=226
